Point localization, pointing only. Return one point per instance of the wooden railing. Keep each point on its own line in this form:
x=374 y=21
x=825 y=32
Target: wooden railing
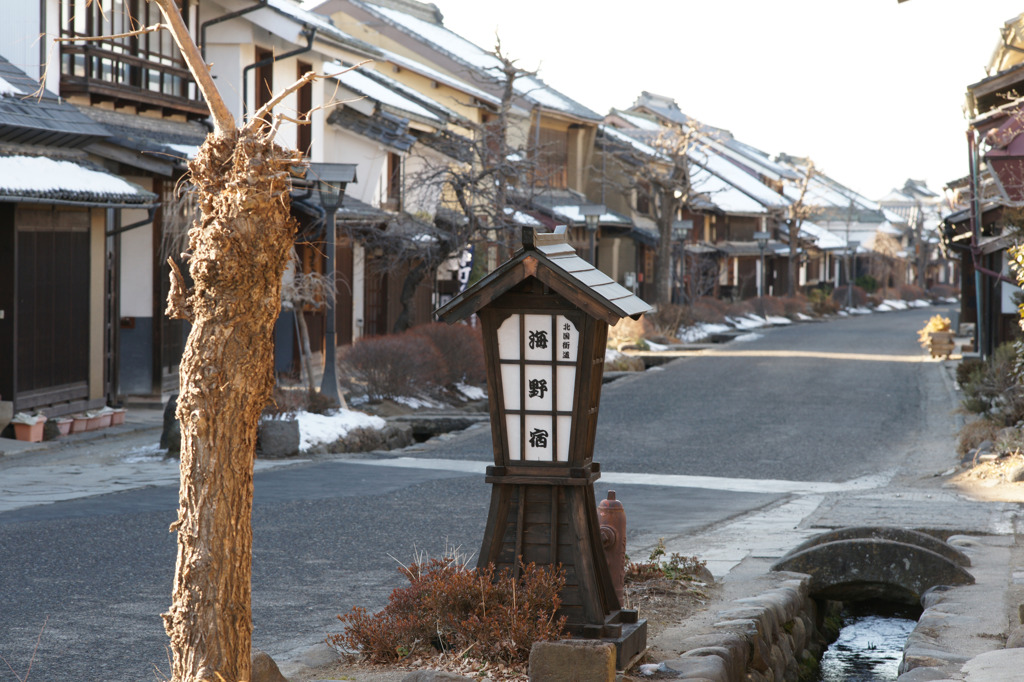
x=106 y=74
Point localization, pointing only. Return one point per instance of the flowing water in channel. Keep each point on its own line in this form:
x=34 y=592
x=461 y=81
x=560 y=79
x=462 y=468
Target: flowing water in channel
x=870 y=644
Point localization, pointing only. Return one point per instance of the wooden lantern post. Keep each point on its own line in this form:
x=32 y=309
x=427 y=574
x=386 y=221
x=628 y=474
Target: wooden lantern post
x=545 y=315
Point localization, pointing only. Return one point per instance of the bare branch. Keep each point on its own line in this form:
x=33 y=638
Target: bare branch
x=223 y=121
x=130 y=34
x=260 y=116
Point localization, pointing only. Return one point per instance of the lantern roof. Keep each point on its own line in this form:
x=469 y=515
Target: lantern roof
x=551 y=259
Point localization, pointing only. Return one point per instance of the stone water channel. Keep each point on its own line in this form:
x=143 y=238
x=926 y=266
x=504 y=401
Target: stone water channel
x=870 y=644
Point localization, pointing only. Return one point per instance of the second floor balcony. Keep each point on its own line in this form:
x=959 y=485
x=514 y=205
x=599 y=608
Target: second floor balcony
x=144 y=71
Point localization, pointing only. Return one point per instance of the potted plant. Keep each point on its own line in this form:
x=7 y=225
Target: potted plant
x=28 y=427
x=64 y=425
x=80 y=423
x=937 y=336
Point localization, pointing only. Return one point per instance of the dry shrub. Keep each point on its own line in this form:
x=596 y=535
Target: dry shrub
x=461 y=348
x=741 y=309
x=911 y=292
x=394 y=366
x=666 y=321
x=771 y=305
x=661 y=565
x=859 y=297
x=291 y=399
x=448 y=607
x=709 y=310
x=626 y=332
x=943 y=291
x=974 y=433
x=795 y=305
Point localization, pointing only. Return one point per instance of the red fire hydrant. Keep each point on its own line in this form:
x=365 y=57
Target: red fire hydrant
x=612 y=517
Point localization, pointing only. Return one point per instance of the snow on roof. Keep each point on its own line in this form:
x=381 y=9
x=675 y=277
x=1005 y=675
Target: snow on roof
x=725 y=185
x=739 y=178
x=462 y=50
x=824 y=239
x=641 y=122
x=620 y=136
x=434 y=74
x=321 y=23
x=38 y=175
x=8 y=90
x=723 y=195
x=572 y=213
x=188 y=151
x=385 y=93
x=521 y=218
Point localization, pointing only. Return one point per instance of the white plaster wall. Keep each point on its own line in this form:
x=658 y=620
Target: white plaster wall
x=136 y=266
x=19 y=35
x=422 y=190
x=343 y=147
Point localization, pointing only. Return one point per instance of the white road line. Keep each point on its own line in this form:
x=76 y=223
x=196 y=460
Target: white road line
x=739 y=485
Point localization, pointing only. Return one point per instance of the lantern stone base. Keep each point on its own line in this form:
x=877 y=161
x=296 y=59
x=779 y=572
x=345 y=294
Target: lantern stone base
x=622 y=629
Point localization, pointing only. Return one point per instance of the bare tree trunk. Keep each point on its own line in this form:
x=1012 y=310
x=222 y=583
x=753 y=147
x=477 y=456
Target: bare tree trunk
x=305 y=349
x=239 y=250
x=794 y=255
x=410 y=283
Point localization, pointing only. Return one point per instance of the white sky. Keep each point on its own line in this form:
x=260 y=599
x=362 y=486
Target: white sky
x=871 y=90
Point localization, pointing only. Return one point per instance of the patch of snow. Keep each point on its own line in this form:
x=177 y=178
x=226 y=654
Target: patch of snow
x=892 y=304
x=804 y=318
x=315 y=429
x=701 y=331
x=843 y=313
x=746 y=322
x=417 y=403
x=145 y=453
x=8 y=90
x=188 y=151
x=777 y=319
x=611 y=355
x=860 y=311
x=656 y=346
x=573 y=213
x=751 y=336
x=919 y=303
x=471 y=392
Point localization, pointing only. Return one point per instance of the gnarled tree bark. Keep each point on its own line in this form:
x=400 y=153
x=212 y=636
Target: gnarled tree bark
x=238 y=251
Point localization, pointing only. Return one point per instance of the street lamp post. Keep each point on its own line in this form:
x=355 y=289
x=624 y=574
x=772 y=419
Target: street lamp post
x=851 y=249
x=680 y=232
x=331 y=179
x=762 y=242
x=592 y=214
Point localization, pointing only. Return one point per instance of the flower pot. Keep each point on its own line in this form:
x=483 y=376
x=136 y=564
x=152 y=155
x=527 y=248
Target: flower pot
x=64 y=425
x=117 y=416
x=33 y=433
x=105 y=419
x=94 y=422
x=79 y=423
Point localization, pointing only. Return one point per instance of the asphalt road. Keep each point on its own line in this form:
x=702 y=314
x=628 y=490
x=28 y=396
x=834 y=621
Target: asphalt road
x=808 y=403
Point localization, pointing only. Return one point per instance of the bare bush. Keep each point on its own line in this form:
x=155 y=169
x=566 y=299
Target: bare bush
x=709 y=310
x=461 y=348
x=394 y=366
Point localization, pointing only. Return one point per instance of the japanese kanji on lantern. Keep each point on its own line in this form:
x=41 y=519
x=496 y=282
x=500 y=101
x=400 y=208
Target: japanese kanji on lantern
x=545 y=315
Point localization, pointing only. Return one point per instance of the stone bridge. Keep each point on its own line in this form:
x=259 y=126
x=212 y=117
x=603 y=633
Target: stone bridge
x=893 y=564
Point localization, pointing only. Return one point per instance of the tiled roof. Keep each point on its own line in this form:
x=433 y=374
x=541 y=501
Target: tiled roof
x=382 y=127
x=30 y=117
x=25 y=177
